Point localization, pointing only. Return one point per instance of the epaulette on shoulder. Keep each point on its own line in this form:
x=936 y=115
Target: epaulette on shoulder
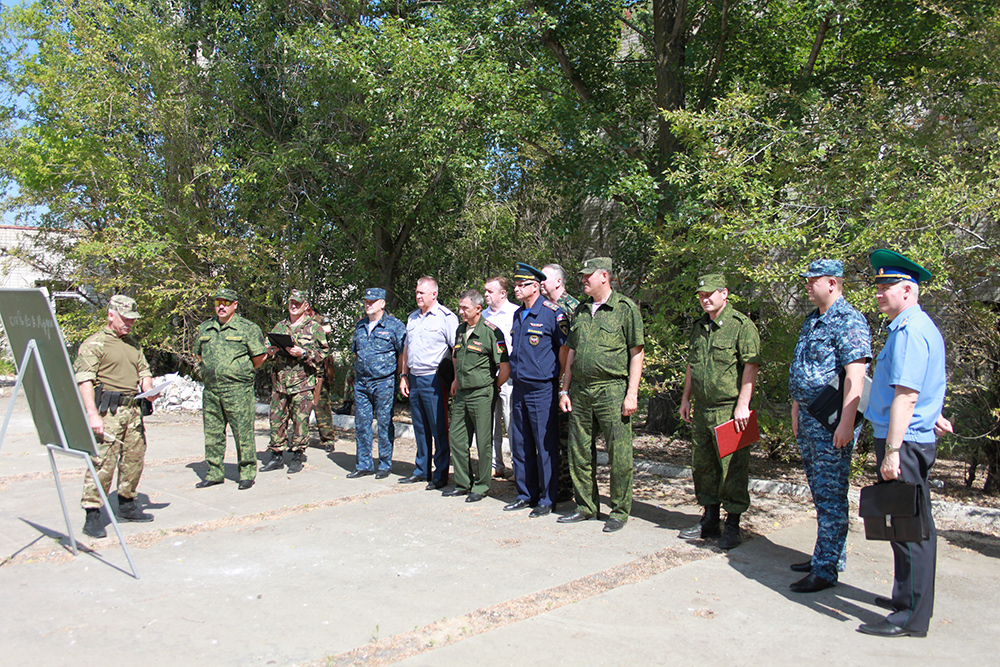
x=549 y=304
x=490 y=324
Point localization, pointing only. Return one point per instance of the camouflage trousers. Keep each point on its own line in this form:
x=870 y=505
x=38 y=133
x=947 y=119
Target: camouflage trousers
x=718 y=480
x=373 y=399
x=234 y=405
x=324 y=415
x=599 y=406
x=290 y=411
x=123 y=447
x=828 y=470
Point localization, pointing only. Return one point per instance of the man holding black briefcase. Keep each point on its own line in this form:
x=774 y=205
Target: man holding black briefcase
x=834 y=336
x=907 y=395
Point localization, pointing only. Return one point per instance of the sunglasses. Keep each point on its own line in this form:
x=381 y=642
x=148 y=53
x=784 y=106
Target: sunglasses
x=224 y=302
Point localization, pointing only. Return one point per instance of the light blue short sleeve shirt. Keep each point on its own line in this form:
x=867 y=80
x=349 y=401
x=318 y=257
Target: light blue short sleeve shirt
x=429 y=337
x=913 y=357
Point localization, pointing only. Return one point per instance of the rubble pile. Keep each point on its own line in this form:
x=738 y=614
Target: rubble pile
x=183 y=394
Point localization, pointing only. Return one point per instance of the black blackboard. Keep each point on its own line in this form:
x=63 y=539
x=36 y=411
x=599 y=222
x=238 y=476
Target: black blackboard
x=27 y=315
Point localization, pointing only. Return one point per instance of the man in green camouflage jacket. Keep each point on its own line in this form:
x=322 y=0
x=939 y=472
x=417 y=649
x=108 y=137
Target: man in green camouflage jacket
x=296 y=368
x=109 y=369
x=230 y=348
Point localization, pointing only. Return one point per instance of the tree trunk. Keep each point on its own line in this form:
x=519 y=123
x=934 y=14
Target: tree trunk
x=661 y=416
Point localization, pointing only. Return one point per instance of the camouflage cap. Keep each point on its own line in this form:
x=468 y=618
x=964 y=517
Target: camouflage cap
x=891 y=267
x=298 y=295
x=824 y=267
x=124 y=306
x=374 y=294
x=596 y=264
x=226 y=293
x=711 y=282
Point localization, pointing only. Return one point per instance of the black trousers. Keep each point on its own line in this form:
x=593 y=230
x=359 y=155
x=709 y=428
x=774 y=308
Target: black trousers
x=913 y=588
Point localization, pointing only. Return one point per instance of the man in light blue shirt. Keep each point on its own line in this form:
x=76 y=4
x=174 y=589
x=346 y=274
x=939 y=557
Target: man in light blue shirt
x=905 y=411
x=500 y=314
x=430 y=336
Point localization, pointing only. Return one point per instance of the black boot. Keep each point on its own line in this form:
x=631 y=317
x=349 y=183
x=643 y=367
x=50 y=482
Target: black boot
x=93 y=526
x=707 y=528
x=276 y=462
x=130 y=510
x=731 y=535
x=295 y=465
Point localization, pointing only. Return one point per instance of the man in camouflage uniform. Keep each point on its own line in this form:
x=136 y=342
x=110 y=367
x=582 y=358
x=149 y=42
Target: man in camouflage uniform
x=323 y=407
x=601 y=386
x=229 y=348
x=834 y=336
x=109 y=368
x=294 y=377
x=554 y=289
x=378 y=344
x=721 y=374
x=481 y=368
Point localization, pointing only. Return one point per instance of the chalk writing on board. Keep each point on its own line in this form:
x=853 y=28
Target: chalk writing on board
x=30 y=321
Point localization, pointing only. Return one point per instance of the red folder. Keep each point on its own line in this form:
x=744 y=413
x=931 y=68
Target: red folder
x=729 y=440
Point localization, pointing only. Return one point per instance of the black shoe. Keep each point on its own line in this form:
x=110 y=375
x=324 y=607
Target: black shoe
x=885 y=603
x=205 y=483
x=516 y=505
x=811 y=584
x=575 y=517
x=474 y=497
x=93 y=527
x=886 y=628
x=381 y=474
x=731 y=535
x=541 y=510
x=455 y=492
x=297 y=462
x=245 y=484
x=345 y=409
x=707 y=528
x=329 y=447
x=613 y=525
x=412 y=479
x=356 y=473
x=130 y=510
x=276 y=462
x=434 y=486
x=801 y=567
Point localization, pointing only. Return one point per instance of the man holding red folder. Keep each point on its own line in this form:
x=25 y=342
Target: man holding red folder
x=721 y=373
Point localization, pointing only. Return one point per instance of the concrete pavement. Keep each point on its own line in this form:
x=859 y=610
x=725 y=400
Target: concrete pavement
x=317 y=569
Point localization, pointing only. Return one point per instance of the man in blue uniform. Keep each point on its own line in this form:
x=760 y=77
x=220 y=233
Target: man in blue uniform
x=378 y=345
x=537 y=360
x=834 y=336
x=905 y=411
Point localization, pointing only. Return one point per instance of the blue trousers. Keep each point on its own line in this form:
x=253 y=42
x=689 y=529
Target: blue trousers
x=430 y=427
x=373 y=399
x=534 y=442
x=828 y=470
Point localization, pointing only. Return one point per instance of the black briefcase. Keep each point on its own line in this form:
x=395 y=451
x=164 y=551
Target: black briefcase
x=895 y=511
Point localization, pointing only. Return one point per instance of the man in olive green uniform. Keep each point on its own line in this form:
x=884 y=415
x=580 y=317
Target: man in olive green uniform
x=481 y=367
x=601 y=385
x=109 y=369
x=229 y=348
x=554 y=289
x=721 y=373
x=294 y=378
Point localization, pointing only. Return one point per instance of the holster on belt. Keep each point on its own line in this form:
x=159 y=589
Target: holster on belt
x=112 y=400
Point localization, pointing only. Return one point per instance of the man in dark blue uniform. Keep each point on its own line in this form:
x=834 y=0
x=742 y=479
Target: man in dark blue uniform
x=378 y=343
x=537 y=359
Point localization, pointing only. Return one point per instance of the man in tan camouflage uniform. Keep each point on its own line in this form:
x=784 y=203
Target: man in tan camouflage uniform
x=109 y=368
x=294 y=375
x=229 y=348
x=601 y=387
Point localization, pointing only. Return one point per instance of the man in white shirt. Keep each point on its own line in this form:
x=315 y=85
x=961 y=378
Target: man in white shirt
x=500 y=313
